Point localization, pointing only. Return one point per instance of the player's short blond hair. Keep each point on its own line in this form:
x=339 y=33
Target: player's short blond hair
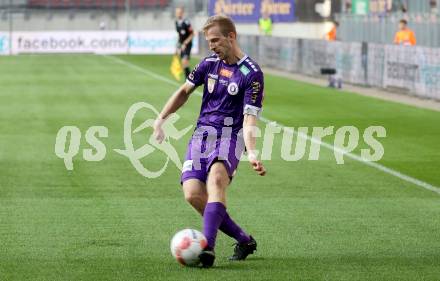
x=225 y=23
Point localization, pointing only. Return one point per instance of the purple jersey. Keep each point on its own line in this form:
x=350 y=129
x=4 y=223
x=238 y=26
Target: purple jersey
x=230 y=90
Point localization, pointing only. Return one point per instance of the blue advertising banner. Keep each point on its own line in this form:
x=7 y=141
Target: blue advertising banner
x=247 y=11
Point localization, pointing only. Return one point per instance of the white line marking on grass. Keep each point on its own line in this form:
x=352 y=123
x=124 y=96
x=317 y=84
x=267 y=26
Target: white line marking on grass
x=362 y=160
x=324 y=144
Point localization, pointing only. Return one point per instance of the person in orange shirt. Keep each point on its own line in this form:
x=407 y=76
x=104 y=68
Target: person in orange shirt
x=331 y=35
x=334 y=79
x=404 y=36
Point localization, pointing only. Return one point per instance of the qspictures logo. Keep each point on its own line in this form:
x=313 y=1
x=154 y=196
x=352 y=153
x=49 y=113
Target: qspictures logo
x=206 y=139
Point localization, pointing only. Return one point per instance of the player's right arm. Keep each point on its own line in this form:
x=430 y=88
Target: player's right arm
x=176 y=101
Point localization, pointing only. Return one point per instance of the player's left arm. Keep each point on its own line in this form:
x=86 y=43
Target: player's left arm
x=249 y=133
x=253 y=101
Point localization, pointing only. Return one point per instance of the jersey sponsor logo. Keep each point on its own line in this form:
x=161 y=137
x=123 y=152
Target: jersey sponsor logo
x=256 y=86
x=223 y=82
x=233 y=88
x=226 y=73
x=213 y=76
x=211 y=85
x=244 y=70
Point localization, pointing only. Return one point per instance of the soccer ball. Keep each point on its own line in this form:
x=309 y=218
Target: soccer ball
x=187 y=245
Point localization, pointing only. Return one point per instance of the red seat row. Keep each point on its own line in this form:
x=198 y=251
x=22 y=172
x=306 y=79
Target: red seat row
x=96 y=3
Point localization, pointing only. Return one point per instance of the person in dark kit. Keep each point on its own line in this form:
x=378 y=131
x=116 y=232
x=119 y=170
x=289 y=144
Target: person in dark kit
x=186 y=34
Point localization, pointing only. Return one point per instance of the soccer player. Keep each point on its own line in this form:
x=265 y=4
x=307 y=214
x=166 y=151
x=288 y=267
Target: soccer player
x=404 y=36
x=231 y=103
x=186 y=34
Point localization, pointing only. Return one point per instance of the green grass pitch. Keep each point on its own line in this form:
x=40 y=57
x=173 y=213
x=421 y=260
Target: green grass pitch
x=313 y=220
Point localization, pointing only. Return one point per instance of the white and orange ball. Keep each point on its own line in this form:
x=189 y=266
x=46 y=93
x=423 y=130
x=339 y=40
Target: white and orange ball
x=187 y=245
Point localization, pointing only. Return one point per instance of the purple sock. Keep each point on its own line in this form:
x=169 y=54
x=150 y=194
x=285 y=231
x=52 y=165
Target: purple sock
x=212 y=218
x=230 y=228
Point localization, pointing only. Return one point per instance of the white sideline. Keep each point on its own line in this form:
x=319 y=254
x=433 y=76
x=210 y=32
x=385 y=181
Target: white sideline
x=324 y=144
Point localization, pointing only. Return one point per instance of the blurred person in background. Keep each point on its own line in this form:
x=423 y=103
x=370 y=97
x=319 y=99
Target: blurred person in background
x=332 y=34
x=400 y=6
x=347 y=6
x=265 y=24
x=404 y=36
x=102 y=25
x=433 y=5
x=186 y=34
x=334 y=80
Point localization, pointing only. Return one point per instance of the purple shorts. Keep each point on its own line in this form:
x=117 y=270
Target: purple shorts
x=203 y=152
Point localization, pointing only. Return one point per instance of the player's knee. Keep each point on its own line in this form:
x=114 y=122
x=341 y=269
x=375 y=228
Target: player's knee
x=218 y=180
x=218 y=175
x=194 y=198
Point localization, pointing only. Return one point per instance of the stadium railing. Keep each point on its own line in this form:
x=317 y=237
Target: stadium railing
x=379 y=28
x=409 y=70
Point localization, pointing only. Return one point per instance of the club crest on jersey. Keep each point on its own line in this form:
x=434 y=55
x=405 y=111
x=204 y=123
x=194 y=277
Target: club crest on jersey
x=233 y=88
x=211 y=85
